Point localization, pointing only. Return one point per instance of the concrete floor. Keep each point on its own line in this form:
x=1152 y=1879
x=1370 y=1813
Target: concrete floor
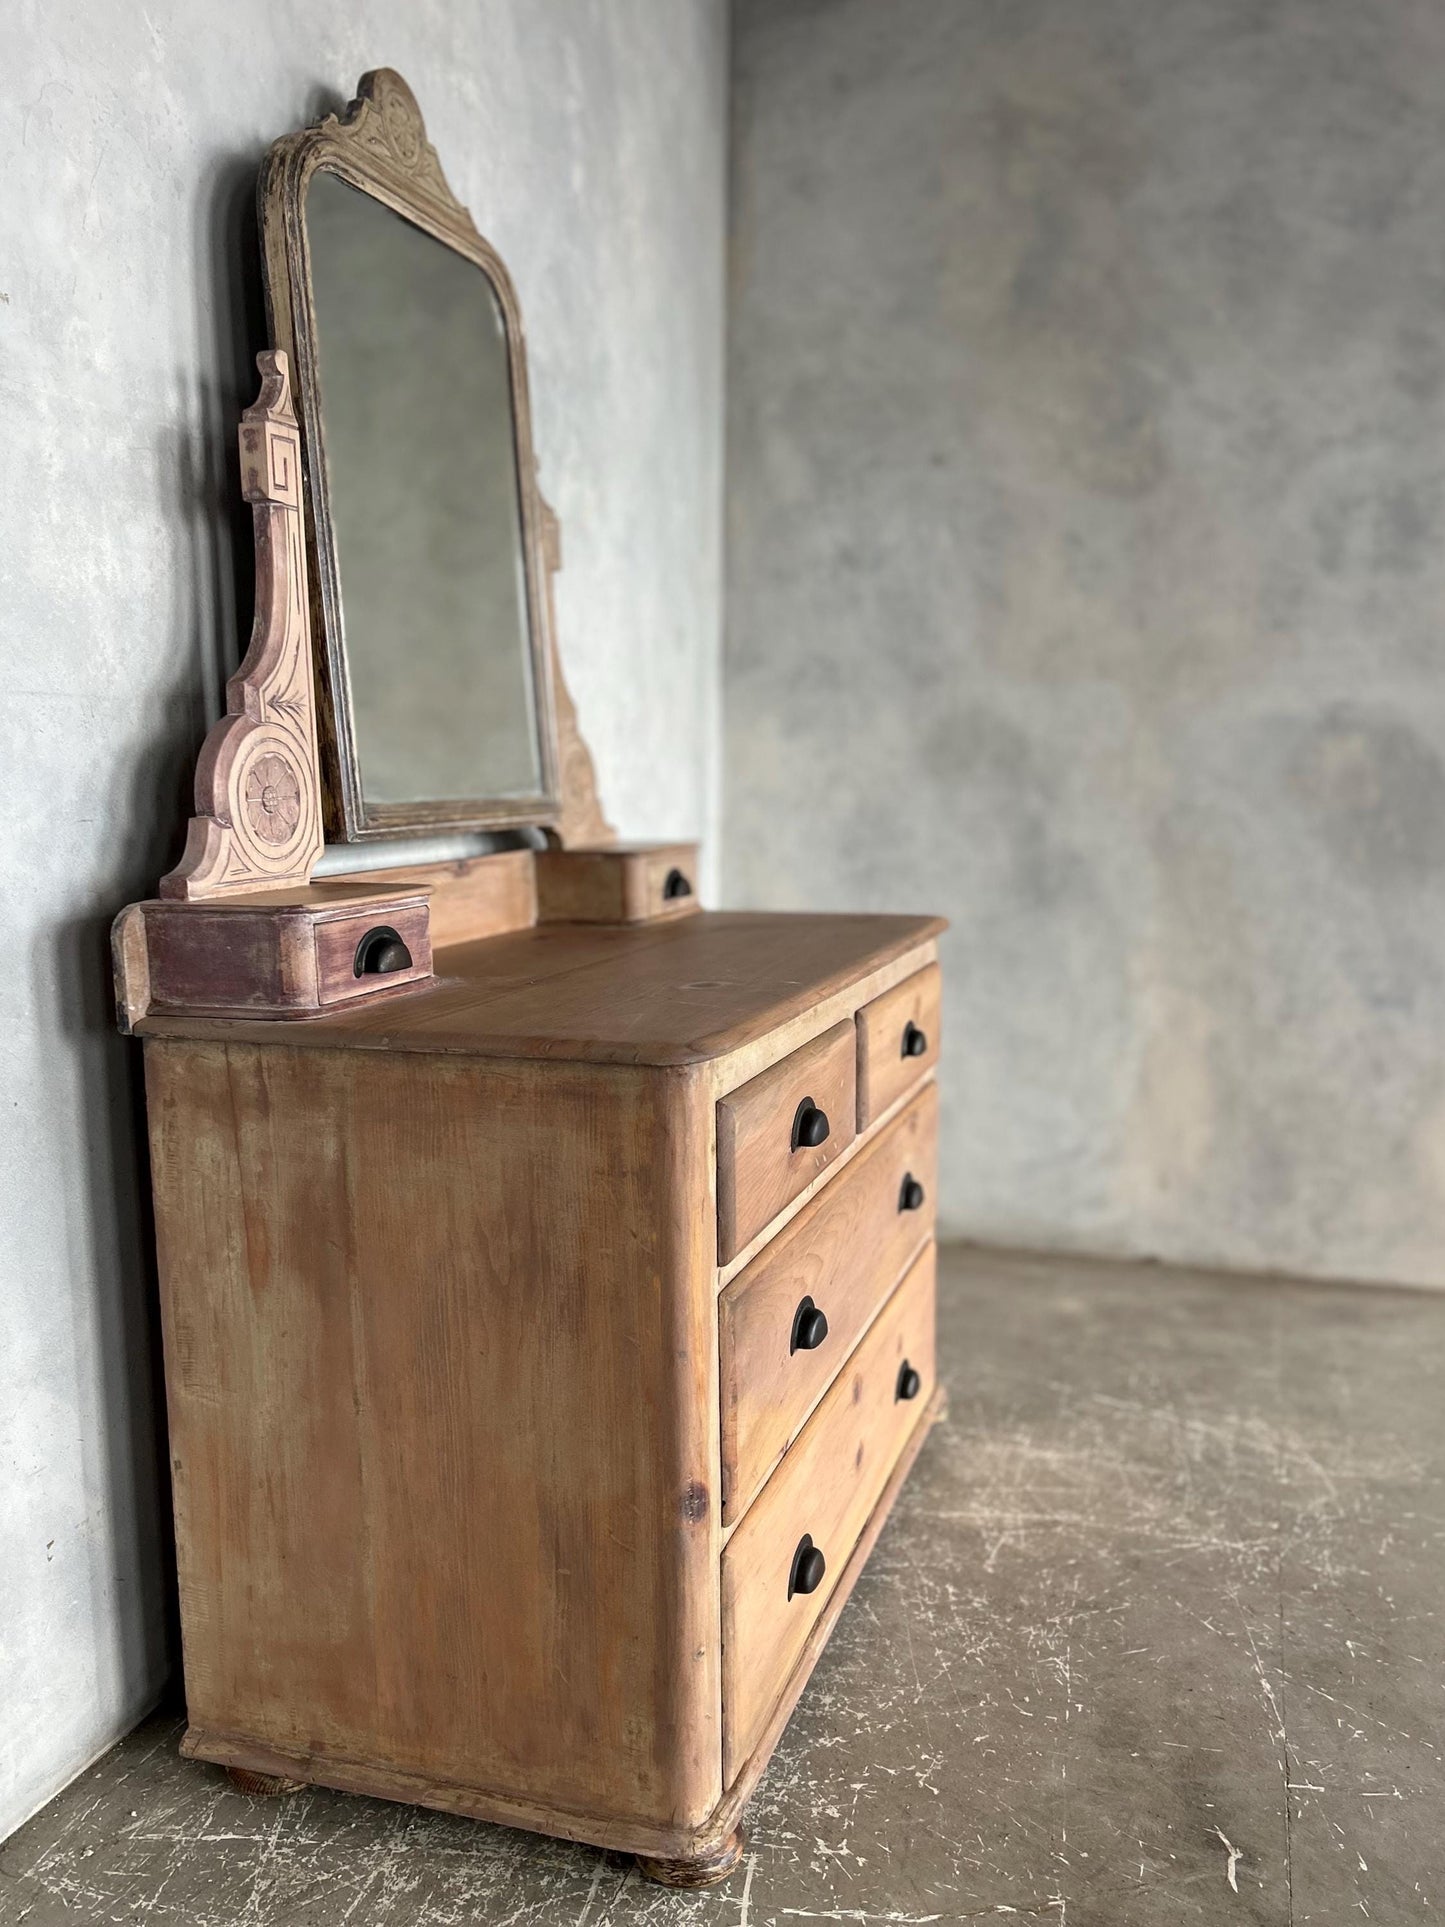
x=1154 y=1636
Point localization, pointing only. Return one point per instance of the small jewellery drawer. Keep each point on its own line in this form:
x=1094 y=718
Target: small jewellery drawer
x=777 y=1133
x=265 y=956
x=781 y=1565
x=897 y=1042
x=787 y=1324
x=355 y=955
x=627 y=883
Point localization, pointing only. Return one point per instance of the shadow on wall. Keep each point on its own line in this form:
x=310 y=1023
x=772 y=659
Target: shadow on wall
x=198 y=482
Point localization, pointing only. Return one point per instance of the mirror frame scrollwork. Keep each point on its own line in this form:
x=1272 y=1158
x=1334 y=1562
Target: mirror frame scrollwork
x=379 y=145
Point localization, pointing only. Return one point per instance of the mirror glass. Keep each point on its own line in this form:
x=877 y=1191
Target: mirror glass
x=420 y=448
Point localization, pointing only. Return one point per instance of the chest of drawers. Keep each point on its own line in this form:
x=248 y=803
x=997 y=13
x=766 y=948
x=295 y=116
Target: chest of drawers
x=544 y=1349
x=545 y=1264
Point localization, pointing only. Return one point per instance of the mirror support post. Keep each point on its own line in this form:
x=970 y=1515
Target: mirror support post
x=258 y=789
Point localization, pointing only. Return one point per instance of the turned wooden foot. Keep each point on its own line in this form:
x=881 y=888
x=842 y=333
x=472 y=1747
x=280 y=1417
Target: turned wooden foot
x=706 y=1872
x=268 y=1785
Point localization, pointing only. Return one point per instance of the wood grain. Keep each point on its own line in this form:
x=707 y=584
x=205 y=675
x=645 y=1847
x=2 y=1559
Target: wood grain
x=258 y=801
x=827 y=1487
x=846 y=1252
x=674 y=992
x=624 y=884
x=759 y=1167
x=445 y=1445
x=471 y=897
x=439 y=1271
x=338 y=942
x=281 y=955
x=639 y=1836
x=130 y=967
x=885 y=1071
x=746 y=1777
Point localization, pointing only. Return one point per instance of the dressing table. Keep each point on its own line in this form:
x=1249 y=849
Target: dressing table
x=546 y=1262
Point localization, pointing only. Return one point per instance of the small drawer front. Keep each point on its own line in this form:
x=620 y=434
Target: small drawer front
x=625 y=884
x=666 y=884
x=788 y=1323
x=776 y=1134
x=255 y=958
x=357 y=956
x=781 y=1565
x=897 y=1041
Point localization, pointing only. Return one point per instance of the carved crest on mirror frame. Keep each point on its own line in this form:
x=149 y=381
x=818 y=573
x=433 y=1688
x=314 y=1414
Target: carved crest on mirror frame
x=385 y=120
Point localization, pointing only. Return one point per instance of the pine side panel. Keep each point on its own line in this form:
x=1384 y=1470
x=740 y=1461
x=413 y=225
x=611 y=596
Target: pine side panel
x=441 y=1360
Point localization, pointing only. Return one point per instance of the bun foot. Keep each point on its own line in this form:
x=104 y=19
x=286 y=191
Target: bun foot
x=267 y=1785
x=704 y=1872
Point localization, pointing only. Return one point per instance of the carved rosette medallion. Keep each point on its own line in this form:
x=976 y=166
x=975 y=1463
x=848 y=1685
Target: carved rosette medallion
x=273 y=798
x=258 y=805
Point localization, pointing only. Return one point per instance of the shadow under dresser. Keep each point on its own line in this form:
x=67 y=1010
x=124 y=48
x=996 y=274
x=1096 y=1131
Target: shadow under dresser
x=545 y=1348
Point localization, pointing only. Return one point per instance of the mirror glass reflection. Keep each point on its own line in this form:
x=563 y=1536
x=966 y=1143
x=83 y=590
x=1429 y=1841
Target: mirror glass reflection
x=416 y=408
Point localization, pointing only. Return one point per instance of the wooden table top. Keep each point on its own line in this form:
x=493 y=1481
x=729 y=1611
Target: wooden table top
x=676 y=992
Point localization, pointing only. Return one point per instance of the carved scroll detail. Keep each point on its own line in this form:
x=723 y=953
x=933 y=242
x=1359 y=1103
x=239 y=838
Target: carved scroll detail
x=581 y=824
x=386 y=122
x=258 y=801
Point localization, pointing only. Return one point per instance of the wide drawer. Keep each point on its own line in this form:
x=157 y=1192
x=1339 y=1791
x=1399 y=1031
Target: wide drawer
x=781 y=1565
x=787 y=1324
x=779 y=1132
x=897 y=1041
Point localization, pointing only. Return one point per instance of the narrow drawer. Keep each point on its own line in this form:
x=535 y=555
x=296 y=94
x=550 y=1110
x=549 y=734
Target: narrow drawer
x=788 y=1323
x=781 y=1565
x=250 y=956
x=375 y=951
x=628 y=883
x=777 y=1133
x=897 y=1041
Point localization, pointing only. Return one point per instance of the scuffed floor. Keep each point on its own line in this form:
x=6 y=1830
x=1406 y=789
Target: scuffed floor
x=1154 y=1636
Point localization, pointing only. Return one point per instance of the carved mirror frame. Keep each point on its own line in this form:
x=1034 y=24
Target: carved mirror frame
x=380 y=147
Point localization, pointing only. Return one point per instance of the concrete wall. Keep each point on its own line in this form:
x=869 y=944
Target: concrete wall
x=1086 y=581
x=589 y=142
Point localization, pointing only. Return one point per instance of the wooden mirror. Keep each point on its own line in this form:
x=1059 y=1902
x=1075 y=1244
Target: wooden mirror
x=427 y=536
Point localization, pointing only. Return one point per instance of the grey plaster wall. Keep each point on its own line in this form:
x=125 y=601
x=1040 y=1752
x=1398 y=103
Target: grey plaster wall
x=589 y=142
x=1085 y=582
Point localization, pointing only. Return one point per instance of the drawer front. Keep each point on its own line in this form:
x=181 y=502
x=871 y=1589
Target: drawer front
x=243 y=958
x=620 y=885
x=356 y=956
x=788 y=1323
x=897 y=1041
x=777 y=1133
x=665 y=884
x=817 y=1503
